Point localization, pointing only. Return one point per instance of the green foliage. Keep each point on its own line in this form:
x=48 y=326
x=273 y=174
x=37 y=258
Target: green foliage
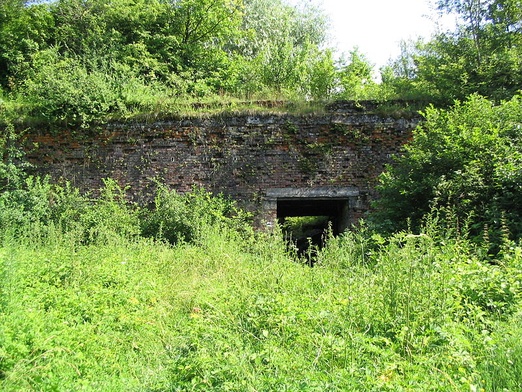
x=400 y=77
x=178 y=218
x=12 y=163
x=356 y=79
x=37 y=210
x=450 y=69
x=298 y=226
x=64 y=90
x=82 y=62
x=24 y=31
x=86 y=61
x=281 y=47
x=406 y=312
x=465 y=160
x=24 y=206
x=323 y=77
x=110 y=217
x=502 y=364
x=481 y=56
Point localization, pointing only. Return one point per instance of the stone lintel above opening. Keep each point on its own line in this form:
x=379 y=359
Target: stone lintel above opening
x=334 y=192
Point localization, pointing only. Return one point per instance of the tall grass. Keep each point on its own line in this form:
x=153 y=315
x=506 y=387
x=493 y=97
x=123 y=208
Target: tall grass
x=87 y=303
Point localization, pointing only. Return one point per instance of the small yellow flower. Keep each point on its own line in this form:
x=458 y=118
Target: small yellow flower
x=196 y=312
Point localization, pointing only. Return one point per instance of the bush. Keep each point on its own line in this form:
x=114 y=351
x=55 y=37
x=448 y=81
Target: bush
x=39 y=210
x=179 y=218
x=110 y=217
x=466 y=161
x=65 y=90
x=12 y=164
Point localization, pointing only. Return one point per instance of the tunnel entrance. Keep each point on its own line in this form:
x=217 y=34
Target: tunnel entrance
x=331 y=210
x=307 y=223
x=308 y=215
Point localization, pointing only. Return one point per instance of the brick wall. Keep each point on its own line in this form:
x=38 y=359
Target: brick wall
x=241 y=156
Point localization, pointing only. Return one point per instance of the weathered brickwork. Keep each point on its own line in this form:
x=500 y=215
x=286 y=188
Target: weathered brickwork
x=241 y=156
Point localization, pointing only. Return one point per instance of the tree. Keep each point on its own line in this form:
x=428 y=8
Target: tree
x=322 y=79
x=466 y=160
x=483 y=55
x=280 y=44
x=356 y=78
x=485 y=19
x=202 y=28
x=78 y=61
x=24 y=29
x=473 y=13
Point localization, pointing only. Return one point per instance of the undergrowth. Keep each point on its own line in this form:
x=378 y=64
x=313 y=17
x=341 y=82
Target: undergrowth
x=87 y=302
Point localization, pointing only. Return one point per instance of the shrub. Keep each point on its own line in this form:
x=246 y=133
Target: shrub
x=39 y=210
x=65 y=90
x=182 y=217
x=465 y=160
x=12 y=163
x=110 y=216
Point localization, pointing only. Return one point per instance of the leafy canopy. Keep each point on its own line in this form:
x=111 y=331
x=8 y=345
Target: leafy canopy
x=466 y=160
x=483 y=55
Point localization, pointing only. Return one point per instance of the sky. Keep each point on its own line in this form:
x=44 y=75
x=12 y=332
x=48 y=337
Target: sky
x=377 y=26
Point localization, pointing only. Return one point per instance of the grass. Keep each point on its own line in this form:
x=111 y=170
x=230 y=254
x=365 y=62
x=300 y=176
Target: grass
x=228 y=313
x=148 y=105
x=145 y=105
x=88 y=303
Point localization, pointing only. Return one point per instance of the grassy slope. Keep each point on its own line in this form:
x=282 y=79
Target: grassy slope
x=236 y=315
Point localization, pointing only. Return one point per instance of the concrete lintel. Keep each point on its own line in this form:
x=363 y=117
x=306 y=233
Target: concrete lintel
x=313 y=193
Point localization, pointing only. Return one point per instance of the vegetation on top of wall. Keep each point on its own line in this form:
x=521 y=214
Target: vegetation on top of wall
x=79 y=62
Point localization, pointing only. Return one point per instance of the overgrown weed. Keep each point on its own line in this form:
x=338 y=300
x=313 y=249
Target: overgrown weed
x=87 y=303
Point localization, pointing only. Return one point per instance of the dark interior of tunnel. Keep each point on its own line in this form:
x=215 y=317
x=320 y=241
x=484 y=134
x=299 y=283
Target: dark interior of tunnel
x=306 y=223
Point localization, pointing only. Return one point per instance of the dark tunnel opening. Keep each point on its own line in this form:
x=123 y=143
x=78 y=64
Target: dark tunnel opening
x=307 y=223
